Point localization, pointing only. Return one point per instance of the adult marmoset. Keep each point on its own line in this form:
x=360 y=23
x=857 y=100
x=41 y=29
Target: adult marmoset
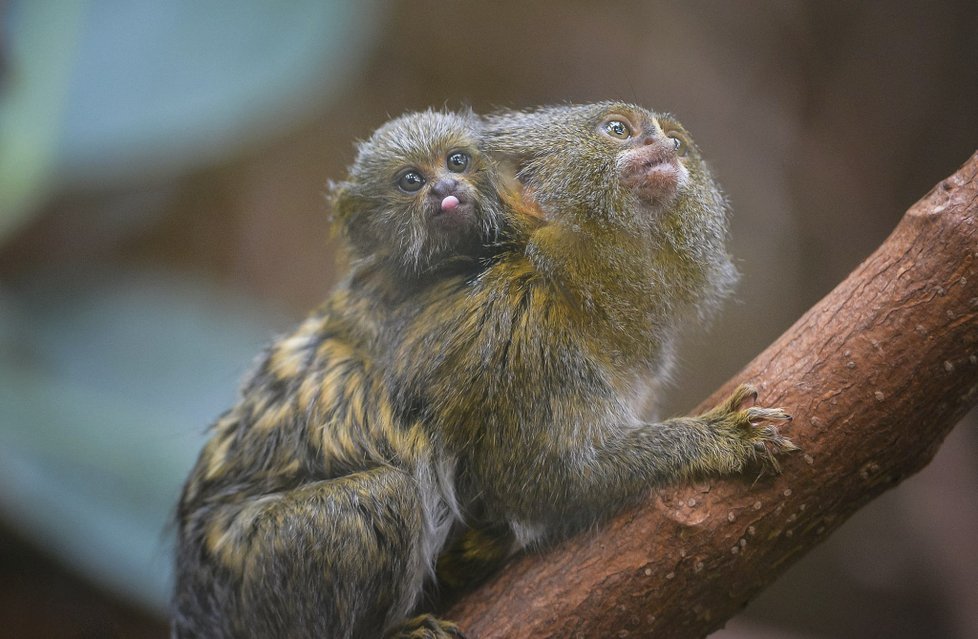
x=535 y=375
x=316 y=509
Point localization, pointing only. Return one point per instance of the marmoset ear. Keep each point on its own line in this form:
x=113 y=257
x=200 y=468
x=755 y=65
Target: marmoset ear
x=339 y=201
x=346 y=215
x=521 y=206
x=343 y=213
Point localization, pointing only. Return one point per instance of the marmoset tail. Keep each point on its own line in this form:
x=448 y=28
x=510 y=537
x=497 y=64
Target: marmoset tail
x=316 y=509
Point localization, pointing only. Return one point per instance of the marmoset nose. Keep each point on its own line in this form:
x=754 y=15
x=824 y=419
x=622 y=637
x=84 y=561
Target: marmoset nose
x=444 y=187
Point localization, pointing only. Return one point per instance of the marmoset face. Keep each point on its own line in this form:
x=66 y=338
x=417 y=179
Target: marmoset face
x=605 y=160
x=649 y=153
x=421 y=191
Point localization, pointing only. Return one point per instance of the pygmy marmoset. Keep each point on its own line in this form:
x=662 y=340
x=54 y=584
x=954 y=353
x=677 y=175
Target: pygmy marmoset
x=536 y=374
x=313 y=510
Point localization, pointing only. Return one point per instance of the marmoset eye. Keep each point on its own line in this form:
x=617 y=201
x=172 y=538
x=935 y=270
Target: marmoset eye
x=410 y=181
x=457 y=162
x=617 y=129
x=679 y=143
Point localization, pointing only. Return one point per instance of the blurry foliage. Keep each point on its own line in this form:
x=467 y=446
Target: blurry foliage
x=37 y=61
x=111 y=91
x=107 y=381
x=104 y=394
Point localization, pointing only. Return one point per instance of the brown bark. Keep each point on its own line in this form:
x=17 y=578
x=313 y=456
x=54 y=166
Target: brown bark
x=876 y=374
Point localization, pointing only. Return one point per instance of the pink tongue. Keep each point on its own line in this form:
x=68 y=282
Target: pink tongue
x=449 y=203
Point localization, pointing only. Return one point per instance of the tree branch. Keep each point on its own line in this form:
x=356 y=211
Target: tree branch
x=876 y=375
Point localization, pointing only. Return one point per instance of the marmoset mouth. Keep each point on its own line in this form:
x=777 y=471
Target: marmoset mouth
x=653 y=173
x=456 y=214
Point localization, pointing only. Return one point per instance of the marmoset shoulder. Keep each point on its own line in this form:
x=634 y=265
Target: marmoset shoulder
x=316 y=509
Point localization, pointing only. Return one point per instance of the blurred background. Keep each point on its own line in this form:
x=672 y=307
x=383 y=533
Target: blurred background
x=162 y=170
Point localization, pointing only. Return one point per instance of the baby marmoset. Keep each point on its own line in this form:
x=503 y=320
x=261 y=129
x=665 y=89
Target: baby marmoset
x=315 y=510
